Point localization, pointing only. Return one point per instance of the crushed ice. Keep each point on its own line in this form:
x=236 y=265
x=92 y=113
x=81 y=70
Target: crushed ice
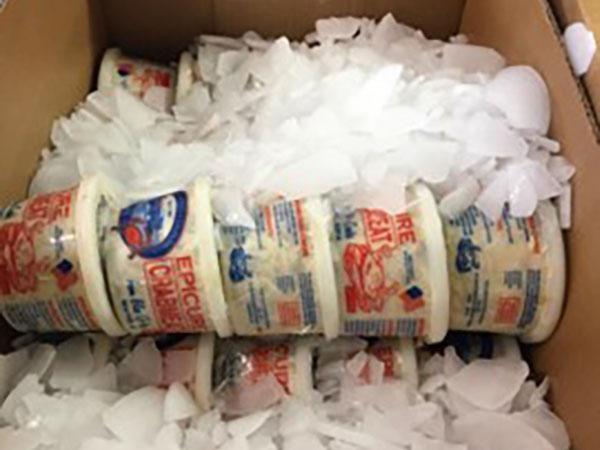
x=357 y=105
x=474 y=404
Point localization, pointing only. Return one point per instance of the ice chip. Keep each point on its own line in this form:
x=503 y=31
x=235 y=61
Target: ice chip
x=260 y=442
x=236 y=443
x=494 y=196
x=219 y=433
x=463 y=196
x=195 y=440
x=179 y=403
x=522 y=95
x=137 y=417
x=350 y=435
x=20 y=439
x=28 y=385
x=245 y=426
x=107 y=397
x=11 y=365
x=490 y=136
x=522 y=196
x=564 y=207
x=547 y=424
x=337 y=28
x=493 y=431
x=581 y=47
x=313 y=175
x=159 y=98
x=170 y=437
x=103 y=379
x=452 y=362
x=141 y=367
x=423 y=443
x=248 y=398
x=194 y=105
x=74 y=363
x=561 y=169
x=296 y=418
x=471 y=383
x=472 y=58
x=302 y=441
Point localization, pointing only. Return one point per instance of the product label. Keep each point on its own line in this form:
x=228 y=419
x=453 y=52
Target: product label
x=386 y=353
x=137 y=76
x=382 y=273
x=249 y=363
x=153 y=263
x=41 y=287
x=269 y=272
x=496 y=271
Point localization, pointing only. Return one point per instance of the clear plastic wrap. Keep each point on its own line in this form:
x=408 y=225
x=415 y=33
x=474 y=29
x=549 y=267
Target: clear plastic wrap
x=348 y=360
x=507 y=276
x=51 y=276
x=251 y=374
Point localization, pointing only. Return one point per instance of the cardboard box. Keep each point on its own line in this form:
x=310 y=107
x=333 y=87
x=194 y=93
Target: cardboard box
x=50 y=50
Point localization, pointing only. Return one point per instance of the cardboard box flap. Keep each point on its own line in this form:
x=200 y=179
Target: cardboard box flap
x=150 y=28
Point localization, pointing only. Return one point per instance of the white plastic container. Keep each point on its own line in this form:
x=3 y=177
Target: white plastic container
x=162 y=265
x=279 y=278
x=185 y=76
x=152 y=82
x=190 y=362
x=241 y=364
x=506 y=276
x=391 y=274
x=51 y=272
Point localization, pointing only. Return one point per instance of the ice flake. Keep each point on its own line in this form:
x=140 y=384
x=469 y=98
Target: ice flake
x=137 y=417
x=470 y=382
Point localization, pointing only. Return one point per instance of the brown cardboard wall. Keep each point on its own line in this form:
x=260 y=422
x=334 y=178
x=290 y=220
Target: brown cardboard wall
x=150 y=28
x=524 y=32
x=49 y=49
x=588 y=12
x=47 y=55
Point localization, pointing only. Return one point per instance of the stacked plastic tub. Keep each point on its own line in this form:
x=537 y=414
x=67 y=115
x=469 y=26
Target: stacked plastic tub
x=77 y=261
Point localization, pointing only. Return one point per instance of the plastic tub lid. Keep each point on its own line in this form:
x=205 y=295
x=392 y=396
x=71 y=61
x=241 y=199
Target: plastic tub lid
x=209 y=263
x=437 y=264
x=325 y=285
x=204 y=366
x=556 y=277
x=90 y=195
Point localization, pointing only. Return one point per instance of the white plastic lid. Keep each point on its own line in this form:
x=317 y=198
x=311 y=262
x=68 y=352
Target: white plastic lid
x=108 y=66
x=555 y=277
x=436 y=263
x=410 y=373
x=204 y=365
x=209 y=263
x=185 y=76
x=90 y=194
x=303 y=356
x=325 y=284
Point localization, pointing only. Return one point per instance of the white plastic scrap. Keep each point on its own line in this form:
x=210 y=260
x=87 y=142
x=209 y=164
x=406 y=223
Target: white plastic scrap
x=359 y=106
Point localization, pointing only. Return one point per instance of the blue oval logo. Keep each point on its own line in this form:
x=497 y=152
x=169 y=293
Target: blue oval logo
x=151 y=228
